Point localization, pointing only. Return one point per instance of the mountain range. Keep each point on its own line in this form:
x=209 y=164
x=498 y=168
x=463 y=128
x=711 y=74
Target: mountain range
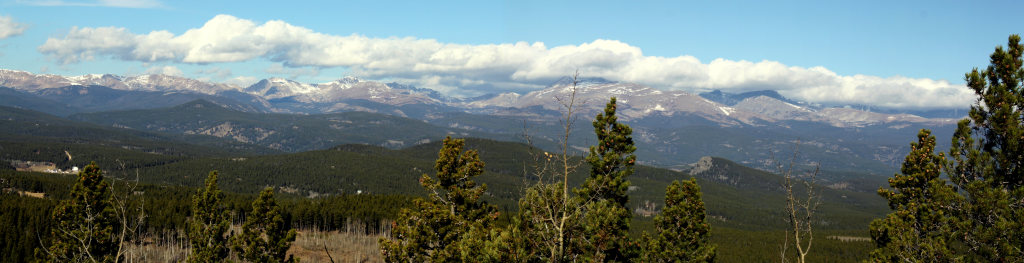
x=673 y=129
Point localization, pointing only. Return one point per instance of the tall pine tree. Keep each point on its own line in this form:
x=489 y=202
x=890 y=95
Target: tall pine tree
x=265 y=235
x=611 y=160
x=606 y=218
x=988 y=159
x=920 y=227
x=437 y=229
x=684 y=234
x=208 y=226
x=85 y=224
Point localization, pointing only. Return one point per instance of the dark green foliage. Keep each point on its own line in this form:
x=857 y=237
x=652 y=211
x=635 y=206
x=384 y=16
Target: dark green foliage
x=988 y=159
x=605 y=233
x=208 y=226
x=20 y=125
x=454 y=187
x=683 y=233
x=265 y=235
x=85 y=223
x=534 y=232
x=453 y=220
x=27 y=220
x=370 y=213
x=745 y=246
x=605 y=218
x=23 y=220
x=920 y=228
x=611 y=160
x=732 y=208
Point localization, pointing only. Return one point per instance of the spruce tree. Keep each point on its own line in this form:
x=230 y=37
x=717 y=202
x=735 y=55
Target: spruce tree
x=265 y=235
x=208 y=226
x=437 y=229
x=606 y=218
x=988 y=159
x=611 y=160
x=920 y=227
x=683 y=232
x=85 y=223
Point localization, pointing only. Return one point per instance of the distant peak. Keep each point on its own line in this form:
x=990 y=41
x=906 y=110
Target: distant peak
x=731 y=99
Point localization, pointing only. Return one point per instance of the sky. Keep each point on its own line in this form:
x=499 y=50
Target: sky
x=899 y=54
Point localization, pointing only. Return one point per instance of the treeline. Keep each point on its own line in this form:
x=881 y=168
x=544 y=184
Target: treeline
x=28 y=221
x=964 y=206
x=554 y=222
x=967 y=205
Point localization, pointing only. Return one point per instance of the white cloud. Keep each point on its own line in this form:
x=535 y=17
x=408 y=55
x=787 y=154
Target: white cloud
x=293 y=73
x=100 y=3
x=243 y=81
x=10 y=28
x=469 y=69
x=165 y=70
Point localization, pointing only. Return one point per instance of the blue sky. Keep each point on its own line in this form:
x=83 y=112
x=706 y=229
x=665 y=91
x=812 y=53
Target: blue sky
x=876 y=52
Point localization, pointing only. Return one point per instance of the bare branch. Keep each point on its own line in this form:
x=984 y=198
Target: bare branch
x=800 y=212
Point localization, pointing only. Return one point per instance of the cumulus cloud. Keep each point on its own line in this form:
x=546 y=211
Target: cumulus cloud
x=101 y=3
x=279 y=69
x=165 y=70
x=10 y=28
x=243 y=81
x=472 y=69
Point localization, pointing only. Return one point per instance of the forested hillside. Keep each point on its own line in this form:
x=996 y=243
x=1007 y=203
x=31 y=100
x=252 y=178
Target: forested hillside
x=324 y=187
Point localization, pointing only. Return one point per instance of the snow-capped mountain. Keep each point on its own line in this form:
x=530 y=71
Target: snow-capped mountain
x=30 y=82
x=352 y=94
x=347 y=88
x=634 y=101
x=674 y=127
x=637 y=102
x=276 y=88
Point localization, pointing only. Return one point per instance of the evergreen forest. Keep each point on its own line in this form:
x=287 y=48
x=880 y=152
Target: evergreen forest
x=471 y=199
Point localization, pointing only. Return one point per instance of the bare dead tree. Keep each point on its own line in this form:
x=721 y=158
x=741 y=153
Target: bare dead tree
x=551 y=210
x=129 y=210
x=799 y=210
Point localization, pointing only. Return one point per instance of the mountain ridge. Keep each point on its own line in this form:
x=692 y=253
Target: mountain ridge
x=668 y=124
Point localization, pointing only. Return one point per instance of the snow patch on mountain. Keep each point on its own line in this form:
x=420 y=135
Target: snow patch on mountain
x=635 y=101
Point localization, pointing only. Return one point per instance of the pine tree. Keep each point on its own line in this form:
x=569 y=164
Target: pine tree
x=606 y=218
x=437 y=229
x=208 y=226
x=85 y=224
x=265 y=236
x=683 y=230
x=920 y=228
x=988 y=159
x=611 y=160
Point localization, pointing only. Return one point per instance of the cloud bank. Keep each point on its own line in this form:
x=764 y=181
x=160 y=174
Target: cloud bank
x=165 y=70
x=473 y=69
x=10 y=28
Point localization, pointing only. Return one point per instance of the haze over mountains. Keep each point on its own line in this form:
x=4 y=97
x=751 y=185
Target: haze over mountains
x=673 y=128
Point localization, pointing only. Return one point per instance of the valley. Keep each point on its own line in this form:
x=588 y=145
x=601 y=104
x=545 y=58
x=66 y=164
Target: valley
x=355 y=154
x=354 y=138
